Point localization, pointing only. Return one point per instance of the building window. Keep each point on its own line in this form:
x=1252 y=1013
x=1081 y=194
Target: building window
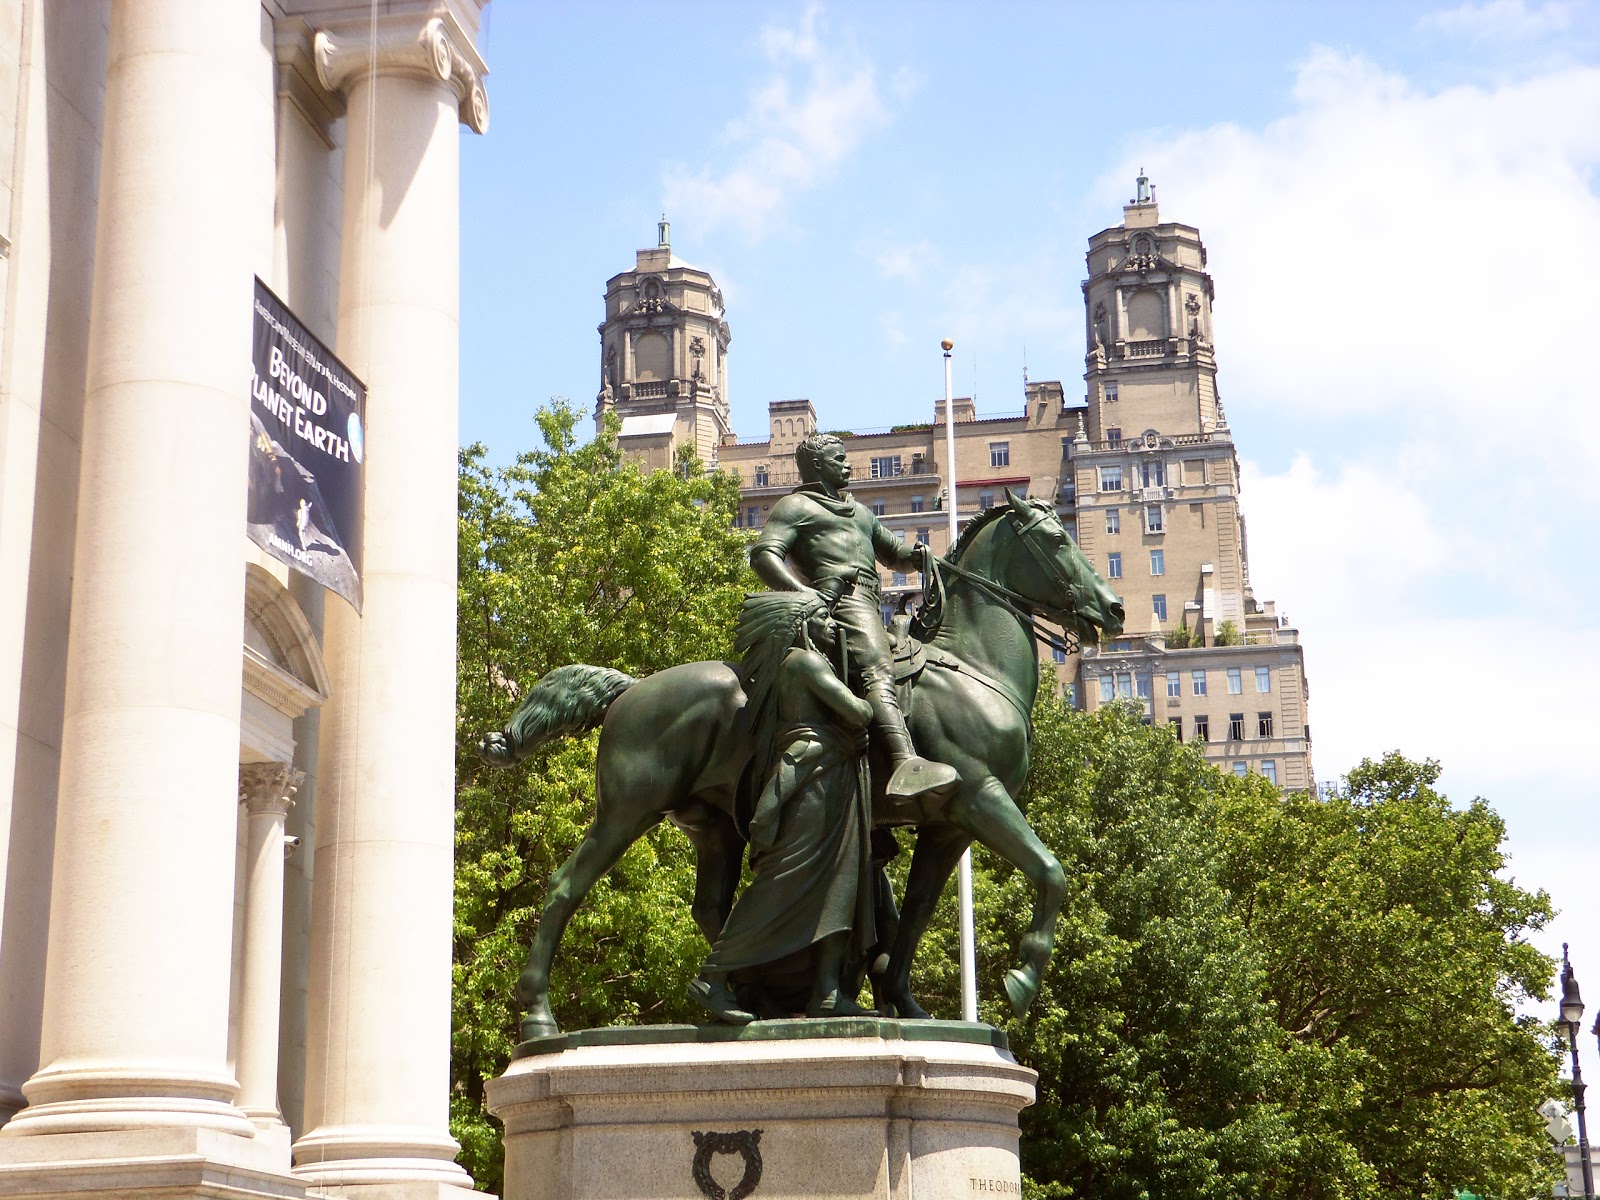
x=1069 y=693
x=761 y=476
x=999 y=454
x=1124 y=686
x=1269 y=771
x=1263 y=724
x=1066 y=446
x=898 y=579
x=1202 y=729
x=1177 y=727
x=917 y=465
x=986 y=500
x=885 y=466
x=1114 y=565
x=887 y=612
x=918 y=503
x=752 y=516
x=1111 y=393
x=1114 y=436
x=1236 y=727
x=1158 y=562
x=1153 y=474
x=1197 y=682
x=1159 y=603
x=1263 y=679
x=1241 y=769
x=1113 y=520
x=1058 y=654
x=1108 y=689
x=922 y=535
x=1152 y=519
x=1235 y=681
x=879 y=508
x=1142 y=686
x=1174 y=685
x=1110 y=479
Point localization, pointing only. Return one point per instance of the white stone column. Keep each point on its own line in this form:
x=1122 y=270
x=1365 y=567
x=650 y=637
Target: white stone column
x=135 y=1021
x=266 y=790
x=377 y=1078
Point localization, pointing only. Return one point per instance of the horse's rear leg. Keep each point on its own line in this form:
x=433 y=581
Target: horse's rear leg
x=939 y=848
x=719 y=857
x=602 y=846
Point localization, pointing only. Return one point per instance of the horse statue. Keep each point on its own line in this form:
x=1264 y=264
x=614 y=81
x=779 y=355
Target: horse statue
x=675 y=745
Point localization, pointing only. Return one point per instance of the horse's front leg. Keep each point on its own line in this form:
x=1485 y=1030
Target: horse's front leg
x=939 y=848
x=995 y=821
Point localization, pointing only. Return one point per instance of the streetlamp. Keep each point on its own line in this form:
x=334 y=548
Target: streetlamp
x=1571 y=1015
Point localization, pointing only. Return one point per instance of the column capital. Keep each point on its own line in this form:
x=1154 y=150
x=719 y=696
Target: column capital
x=268 y=787
x=435 y=47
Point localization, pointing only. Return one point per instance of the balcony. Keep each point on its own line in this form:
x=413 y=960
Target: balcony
x=1153 y=348
x=650 y=391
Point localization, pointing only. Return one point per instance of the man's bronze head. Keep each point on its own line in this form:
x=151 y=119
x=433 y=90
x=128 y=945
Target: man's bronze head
x=808 y=454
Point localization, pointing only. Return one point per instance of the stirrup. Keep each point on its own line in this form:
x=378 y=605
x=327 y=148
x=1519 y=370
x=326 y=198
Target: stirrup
x=918 y=778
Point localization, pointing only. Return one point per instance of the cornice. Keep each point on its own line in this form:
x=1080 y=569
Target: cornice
x=437 y=48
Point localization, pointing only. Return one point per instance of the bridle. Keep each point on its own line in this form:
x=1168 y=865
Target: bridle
x=1019 y=605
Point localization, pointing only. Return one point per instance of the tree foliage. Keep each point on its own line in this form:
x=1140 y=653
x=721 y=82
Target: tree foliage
x=1397 y=963
x=571 y=554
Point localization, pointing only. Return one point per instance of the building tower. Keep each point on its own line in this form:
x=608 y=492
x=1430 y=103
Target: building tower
x=1155 y=495
x=664 y=357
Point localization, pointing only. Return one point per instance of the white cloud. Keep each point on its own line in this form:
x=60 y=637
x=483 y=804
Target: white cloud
x=1427 y=250
x=820 y=102
x=903 y=260
x=1499 y=19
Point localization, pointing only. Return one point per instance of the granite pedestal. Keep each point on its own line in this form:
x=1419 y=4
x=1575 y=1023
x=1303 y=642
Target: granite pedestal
x=844 y=1108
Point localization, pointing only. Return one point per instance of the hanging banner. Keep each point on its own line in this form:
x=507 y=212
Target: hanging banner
x=307 y=445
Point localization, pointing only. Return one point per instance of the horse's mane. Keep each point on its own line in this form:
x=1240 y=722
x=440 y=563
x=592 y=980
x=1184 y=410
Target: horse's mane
x=974 y=527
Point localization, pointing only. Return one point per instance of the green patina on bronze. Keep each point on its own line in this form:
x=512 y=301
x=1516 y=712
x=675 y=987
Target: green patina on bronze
x=967 y=1033
x=701 y=744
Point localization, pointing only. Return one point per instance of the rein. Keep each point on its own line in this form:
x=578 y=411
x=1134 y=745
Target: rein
x=1017 y=604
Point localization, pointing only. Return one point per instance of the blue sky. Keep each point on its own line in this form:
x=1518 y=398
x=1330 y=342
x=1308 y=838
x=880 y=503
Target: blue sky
x=1401 y=210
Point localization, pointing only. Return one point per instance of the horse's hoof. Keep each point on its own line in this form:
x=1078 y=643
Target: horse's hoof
x=903 y=1006
x=1020 y=990
x=539 y=1027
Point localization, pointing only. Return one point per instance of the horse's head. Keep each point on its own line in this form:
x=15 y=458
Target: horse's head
x=1049 y=570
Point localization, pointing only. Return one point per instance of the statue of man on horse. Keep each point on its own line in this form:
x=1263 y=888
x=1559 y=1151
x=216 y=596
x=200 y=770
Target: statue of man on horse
x=694 y=744
x=837 y=543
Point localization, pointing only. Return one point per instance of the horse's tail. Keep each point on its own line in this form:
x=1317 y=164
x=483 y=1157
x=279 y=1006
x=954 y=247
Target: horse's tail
x=568 y=700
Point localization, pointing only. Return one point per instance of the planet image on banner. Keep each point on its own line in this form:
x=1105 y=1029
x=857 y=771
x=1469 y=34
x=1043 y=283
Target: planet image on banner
x=358 y=447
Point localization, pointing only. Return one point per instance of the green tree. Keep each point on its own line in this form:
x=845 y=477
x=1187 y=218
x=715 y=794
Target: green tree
x=572 y=554
x=1397 y=960
x=1155 y=1048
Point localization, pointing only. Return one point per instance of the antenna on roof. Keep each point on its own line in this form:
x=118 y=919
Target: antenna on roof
x=1024 y=362
x=663 y=233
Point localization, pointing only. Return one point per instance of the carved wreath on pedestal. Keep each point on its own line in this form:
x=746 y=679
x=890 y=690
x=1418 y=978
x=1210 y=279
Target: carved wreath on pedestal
x=746 y=1143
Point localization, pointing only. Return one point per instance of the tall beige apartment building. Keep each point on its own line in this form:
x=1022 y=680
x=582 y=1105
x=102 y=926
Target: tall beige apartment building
x=1143 y=470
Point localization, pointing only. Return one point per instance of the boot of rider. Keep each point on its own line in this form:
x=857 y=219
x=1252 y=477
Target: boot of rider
x=914 y=777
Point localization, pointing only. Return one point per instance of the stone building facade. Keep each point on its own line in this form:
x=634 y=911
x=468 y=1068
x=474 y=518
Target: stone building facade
x=1144 y=472
x=183 y=1010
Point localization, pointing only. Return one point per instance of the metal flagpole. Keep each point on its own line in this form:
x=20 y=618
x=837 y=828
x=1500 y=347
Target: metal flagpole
x=969 y=944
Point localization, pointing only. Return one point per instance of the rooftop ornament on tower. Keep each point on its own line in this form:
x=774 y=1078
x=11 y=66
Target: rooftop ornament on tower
x=1145 y=193
x=663 y=233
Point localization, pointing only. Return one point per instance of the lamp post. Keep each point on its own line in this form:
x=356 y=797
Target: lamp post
x=1571 y=1015
x=969 y=948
